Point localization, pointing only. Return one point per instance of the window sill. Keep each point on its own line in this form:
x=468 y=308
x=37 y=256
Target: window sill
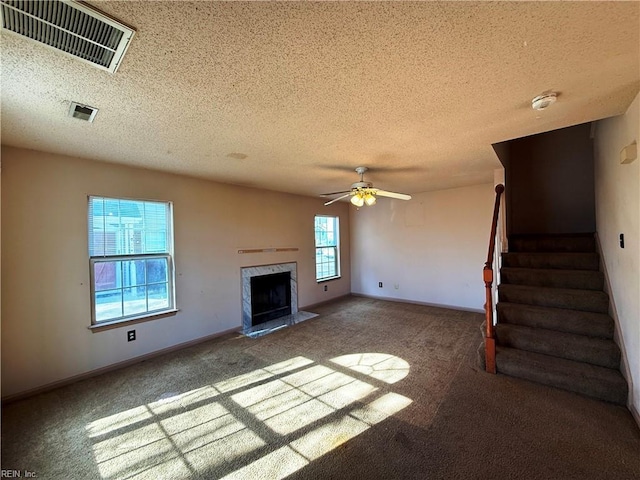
x=99 y=327
x=328 y=279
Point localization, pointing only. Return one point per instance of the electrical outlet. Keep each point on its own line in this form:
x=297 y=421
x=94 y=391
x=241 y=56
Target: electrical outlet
x=131 y=335
x=325 y=288
x=396 y=286
x=379 y=284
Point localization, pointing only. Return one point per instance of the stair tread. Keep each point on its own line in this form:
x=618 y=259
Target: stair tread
x=571 y=346
x=568 y=298
x=553 y=254
x=592 y=380
x=552 y=243
x=555 y=278
x=556 y=271
x=558 y=254
x=553 y=235
x=563 y=335
x=589 y=261
x=568 y=291
x=593 y=324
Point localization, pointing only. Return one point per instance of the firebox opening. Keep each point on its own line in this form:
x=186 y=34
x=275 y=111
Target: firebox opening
x=270 y=297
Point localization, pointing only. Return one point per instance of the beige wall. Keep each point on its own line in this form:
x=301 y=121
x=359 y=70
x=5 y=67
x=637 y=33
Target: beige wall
x=618 y=211
x=429 y=250
x=45 y=270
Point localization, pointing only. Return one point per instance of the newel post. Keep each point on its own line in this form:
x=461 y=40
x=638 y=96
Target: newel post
x=489 y=334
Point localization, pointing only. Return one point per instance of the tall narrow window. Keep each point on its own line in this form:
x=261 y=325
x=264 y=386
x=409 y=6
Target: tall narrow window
x=327 y=248
x=130 y=252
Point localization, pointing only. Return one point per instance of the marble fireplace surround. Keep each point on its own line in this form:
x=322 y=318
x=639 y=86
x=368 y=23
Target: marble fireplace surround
x=256 y=271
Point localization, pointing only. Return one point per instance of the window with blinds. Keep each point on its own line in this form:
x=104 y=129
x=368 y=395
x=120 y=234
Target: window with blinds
x=131 y=258
x=327 y=239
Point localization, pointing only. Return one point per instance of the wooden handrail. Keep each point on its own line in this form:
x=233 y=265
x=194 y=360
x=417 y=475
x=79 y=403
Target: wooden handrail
x=487 y=275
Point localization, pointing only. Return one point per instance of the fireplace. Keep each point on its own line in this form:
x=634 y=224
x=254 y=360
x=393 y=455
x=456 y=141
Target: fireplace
x=270 y=297
x=262 y=273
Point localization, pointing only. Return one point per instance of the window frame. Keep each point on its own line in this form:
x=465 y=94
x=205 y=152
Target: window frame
x=335 y=247
x=97 y=325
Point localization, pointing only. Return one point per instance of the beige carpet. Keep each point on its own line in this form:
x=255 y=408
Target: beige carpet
x=368 y=389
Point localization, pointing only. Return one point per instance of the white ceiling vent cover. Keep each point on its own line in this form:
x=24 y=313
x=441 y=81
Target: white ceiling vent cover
x=83 y=112
x=71 y=27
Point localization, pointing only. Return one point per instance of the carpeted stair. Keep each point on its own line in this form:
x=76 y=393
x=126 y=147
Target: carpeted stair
x=553 y=326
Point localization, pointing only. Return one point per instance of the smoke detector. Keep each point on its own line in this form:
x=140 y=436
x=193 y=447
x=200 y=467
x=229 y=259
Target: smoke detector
x=544 y=100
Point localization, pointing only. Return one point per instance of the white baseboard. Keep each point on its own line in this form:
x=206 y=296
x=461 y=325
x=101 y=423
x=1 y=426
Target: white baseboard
x=415 y=302
x=325 y=302
x=109 y=368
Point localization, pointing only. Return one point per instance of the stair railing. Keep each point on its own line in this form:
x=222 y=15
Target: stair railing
x=487 y=274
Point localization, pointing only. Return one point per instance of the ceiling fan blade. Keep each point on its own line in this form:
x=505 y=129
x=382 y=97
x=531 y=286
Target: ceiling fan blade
x=339 y=198
x=334 y=193
x=399 y=196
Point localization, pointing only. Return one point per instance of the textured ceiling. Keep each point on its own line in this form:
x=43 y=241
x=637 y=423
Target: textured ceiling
x=293 y=96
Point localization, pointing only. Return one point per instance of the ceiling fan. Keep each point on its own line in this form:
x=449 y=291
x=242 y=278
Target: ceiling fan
x=363 y=193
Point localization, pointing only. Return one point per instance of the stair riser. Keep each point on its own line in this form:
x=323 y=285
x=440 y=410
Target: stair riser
x=578 y=300
x=569 y=321
x=557 y=279
x=569 y=261
x=578 y=348
x=552 y=244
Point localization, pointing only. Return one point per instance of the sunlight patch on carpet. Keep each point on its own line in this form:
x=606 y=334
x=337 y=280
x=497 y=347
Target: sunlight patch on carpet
x=388 y=368
x=304 y=410
x=118 y=421
x=381 y=408
x=261 y=374
x=327 y=437
x=184 y=400
x=276 y=465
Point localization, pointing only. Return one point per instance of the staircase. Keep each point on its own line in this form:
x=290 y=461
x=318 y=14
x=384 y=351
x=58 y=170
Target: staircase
x=553 y=326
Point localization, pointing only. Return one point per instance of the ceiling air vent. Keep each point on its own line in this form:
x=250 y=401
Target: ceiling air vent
x=71 y=27
x=83 y=112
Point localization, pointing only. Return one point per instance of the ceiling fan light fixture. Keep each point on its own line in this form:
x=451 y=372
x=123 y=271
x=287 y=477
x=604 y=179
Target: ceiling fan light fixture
x=357 y=199
x=370 y=199
x=362 y=193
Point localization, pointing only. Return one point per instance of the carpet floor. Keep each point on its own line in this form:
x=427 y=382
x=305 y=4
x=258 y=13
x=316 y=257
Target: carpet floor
x=367 y=390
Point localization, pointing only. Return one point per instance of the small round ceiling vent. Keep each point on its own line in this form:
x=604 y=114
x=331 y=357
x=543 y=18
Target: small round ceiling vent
x=544 y=100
